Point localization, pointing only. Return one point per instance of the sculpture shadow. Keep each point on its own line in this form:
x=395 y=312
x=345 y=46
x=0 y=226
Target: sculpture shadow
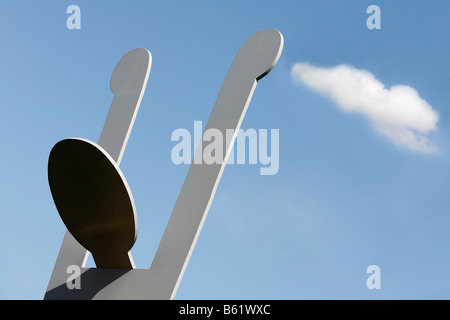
x=92 y=281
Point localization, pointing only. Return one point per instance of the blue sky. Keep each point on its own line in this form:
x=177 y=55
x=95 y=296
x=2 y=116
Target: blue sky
x=345 y=197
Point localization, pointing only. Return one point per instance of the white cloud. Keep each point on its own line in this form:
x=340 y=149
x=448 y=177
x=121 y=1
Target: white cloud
x=398 y=113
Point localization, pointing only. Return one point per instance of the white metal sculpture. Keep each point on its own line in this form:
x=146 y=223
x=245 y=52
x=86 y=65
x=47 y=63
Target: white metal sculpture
x=94 y=200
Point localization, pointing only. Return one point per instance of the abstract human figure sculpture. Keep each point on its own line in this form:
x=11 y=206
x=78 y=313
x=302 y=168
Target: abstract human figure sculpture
x=255 y=59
